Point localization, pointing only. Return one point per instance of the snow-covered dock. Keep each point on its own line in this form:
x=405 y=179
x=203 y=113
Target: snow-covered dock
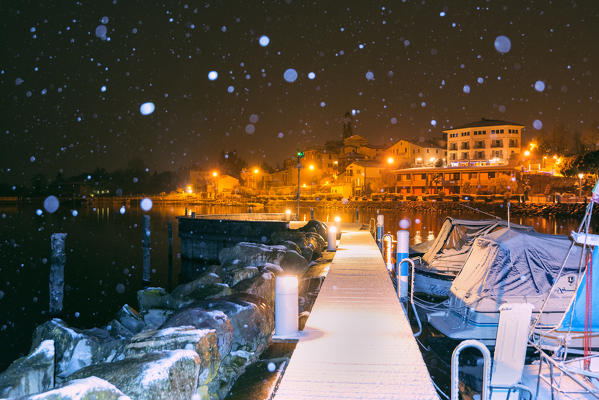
x=357 y=342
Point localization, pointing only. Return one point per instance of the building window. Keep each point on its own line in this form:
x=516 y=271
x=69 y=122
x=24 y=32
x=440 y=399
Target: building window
x=423 y=176
x=491 y=175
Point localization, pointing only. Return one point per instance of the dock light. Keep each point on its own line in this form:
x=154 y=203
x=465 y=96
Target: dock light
x=332 y=238
x=337 y=220
x=286 y=307
x=288 y=214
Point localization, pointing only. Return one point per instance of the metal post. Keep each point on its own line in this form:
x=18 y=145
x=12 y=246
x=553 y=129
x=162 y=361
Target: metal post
x=170 y=254
x=186 y=211
x=250 y=211
x=357 y=216
x=299 y=166
x=311 y=213
x=58 y=260
x=380 y=228
x=401 y=270
x=146 y=248
x=508 y=214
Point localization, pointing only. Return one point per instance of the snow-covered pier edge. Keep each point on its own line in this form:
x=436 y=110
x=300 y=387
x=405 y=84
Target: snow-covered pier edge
x=191 y=343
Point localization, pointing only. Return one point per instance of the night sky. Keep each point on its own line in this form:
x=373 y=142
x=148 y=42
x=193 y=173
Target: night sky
x=409 y=68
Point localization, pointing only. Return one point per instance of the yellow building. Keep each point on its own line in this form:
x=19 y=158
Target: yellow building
x=485 y=142
x=404 y=153
x=364 y=176
x=457 y=180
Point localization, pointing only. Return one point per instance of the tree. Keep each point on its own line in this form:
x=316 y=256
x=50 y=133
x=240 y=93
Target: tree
x=231 y=164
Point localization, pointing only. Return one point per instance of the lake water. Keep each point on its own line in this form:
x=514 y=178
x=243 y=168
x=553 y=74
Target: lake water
x=104 y=255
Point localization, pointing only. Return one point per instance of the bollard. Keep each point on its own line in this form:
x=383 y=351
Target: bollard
x=357 y=216
x=186 y=211
x=403 y=250
x=146 y=248
x=58 y=260
x=169 y=228
x=337 y=220
x=250 y=209
x=380 y=228
x=332 y=238
x=286 y=306
x=311 y=213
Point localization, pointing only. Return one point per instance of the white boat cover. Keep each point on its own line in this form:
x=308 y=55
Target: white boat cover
x=450 y=248
x=509 y=263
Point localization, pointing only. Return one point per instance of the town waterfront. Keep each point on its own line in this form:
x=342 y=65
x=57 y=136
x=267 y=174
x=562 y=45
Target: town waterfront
x=104 y=255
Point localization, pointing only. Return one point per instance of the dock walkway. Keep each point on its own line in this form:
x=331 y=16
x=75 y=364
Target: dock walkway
x=357 y=342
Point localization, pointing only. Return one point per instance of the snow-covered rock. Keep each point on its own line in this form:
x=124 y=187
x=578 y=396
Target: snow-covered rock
x=202 y=341
x=83 y=389
x=130 y=319
x=75 y=349
x=168 y=375
x=30 y=374
x=251 y=254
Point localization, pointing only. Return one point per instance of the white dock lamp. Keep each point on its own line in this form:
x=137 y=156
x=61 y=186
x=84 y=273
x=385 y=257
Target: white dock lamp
x=286 y=307
x=332 y=238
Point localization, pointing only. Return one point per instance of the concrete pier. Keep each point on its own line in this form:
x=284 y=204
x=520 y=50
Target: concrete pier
x=357 y=343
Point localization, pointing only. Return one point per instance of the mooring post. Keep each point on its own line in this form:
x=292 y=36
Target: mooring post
x=403 y=251
x=311 y=213
x=169 y=227
x=58 y=260
x=357 y=216
x=250 y=209
x=186 y=211
x=380 y=228
x=146 y=248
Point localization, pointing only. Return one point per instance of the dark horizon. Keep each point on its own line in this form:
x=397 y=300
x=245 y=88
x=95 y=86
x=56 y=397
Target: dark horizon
x=75 y=75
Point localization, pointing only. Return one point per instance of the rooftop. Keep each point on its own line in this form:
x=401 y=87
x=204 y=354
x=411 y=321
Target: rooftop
x=484 y=122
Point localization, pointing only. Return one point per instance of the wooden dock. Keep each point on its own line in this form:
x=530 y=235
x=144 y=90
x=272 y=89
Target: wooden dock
x=357 y=343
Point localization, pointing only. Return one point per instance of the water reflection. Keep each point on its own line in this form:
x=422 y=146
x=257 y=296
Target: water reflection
x=104 y=256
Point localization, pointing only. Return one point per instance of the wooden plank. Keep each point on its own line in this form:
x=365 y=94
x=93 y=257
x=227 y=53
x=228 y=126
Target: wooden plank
x=357 y=343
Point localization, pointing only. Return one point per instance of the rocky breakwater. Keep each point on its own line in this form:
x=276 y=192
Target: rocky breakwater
x=191 y=343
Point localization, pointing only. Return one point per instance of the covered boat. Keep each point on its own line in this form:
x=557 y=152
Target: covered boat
x=514 y=266
x=437 y=268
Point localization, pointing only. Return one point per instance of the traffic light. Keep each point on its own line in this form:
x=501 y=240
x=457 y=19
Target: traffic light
x=300 y=154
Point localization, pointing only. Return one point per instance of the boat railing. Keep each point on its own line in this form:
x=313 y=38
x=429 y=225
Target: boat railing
x=455 y=366
x=578 y=376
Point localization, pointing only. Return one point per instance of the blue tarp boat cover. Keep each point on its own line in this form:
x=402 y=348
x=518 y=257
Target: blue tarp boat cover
x=574 y=318
x=450 y=248
x=512 y=263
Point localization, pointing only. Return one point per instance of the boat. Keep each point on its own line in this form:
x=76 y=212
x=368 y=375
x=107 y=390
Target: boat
x=509 y=266
x=438 y=267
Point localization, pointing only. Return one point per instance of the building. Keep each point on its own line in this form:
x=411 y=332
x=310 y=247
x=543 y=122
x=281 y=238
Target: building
x=404 y=153
x=485 y=142
x=364 y=177
x=457 y=180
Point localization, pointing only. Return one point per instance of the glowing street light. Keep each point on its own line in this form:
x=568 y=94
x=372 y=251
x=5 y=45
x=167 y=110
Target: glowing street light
x=256 y=170
x=189 y=189
x=311 y=167
x=215 y=173
x=580 y=176
x=527 y=153
x=390 y=160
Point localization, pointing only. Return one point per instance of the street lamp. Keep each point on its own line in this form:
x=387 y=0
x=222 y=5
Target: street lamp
x=580 y=176
x=390 y=160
